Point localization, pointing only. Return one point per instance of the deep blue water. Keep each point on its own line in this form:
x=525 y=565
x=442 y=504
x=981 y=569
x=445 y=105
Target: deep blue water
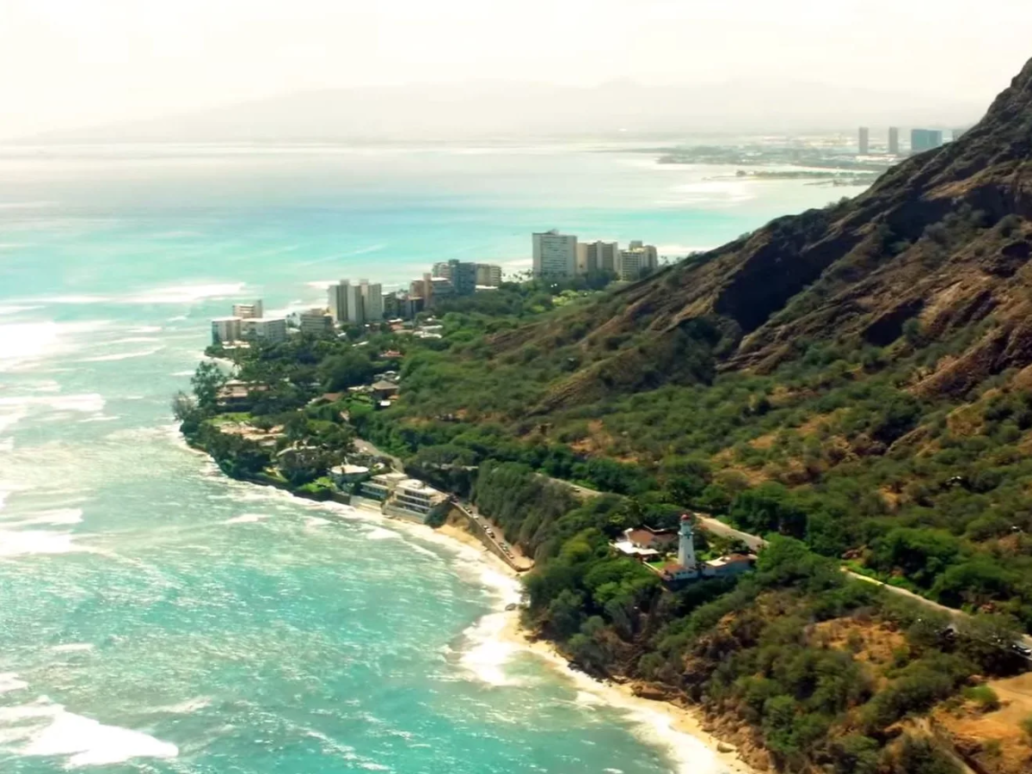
x=157 y=617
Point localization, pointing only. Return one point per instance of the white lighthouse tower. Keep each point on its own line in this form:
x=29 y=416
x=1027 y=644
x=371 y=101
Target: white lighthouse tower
x=686 y=544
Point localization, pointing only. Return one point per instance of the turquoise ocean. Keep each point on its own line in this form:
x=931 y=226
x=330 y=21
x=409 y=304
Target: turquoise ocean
x=156 y=617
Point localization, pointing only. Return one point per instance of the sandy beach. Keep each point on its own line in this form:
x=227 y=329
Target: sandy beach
x=678 y=720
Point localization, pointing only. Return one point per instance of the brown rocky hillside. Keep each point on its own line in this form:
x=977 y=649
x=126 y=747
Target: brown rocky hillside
x=940 y=243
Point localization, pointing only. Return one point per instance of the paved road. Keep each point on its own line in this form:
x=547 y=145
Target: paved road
x=953 y=613
x=518 y=563
x=718 y=527
x=580 y=491
x=755 y=543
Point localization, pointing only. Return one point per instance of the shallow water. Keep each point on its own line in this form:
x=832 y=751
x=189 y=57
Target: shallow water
x=157 y=617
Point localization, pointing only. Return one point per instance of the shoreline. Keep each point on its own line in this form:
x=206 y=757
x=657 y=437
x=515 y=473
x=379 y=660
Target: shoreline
x=670 y=719
x=684 y=721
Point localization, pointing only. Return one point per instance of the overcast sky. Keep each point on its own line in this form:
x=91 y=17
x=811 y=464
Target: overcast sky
x=70 y=63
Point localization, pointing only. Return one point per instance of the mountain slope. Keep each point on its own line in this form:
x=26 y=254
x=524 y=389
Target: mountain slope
x=940 y=242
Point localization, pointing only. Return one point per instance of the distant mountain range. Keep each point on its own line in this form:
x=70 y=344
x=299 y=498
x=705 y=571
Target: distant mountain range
x=490 y=109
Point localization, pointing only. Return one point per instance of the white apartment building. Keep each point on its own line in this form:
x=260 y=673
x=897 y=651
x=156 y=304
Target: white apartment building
x=337 y=300
x=315 y=321
x=249 y=311
x=372 y=300
x=489 y=275
x=226 y=330
x=416 y=498
x=596 y=256
x=555 y=254
x=636 y=261
x=271 y=330
x=354 y=304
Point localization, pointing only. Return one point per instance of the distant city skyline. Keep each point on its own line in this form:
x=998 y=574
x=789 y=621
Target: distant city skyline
x=72 y=64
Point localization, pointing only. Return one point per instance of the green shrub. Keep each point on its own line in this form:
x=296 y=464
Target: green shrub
x=984 y=696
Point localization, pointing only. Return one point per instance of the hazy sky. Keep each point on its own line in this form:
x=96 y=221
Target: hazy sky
x=69 y=63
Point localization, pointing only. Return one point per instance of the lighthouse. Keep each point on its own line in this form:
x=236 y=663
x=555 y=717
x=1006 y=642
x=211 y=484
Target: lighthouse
x=686 y=544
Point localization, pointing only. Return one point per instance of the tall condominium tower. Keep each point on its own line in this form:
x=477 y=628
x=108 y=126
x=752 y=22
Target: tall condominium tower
x=555 y=254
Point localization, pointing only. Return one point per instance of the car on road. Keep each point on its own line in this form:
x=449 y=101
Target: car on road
x=1021 y=649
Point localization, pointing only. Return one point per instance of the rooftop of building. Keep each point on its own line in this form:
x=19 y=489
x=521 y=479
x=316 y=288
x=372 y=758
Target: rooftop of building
x=350 y=470
x=392 y=477
x=228 y=318
x=628 y=548
x=647 y=537
x=414 y=486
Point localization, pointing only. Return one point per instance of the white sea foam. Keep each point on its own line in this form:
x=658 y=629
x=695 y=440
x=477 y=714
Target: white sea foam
x=187 y=707
x=16 y=408
x=23 y=345
x=653 y=727
x=122 y=356
x=488 y=651
x=690 y=754
x=17 y=309
x=9 y=682
x=27 y=542
x=587 y=699
x=34 y=205
x=58 y=517
x=146 y=329
x=132 y=340
x=246 y=518
x=73 y=300
x=43 y=385
x=187 y=294
x=176 y=234
x=73 y=647
x=46 y=729
x=378 y=533
x=10 y=416
x=85 y=403
x=296 y=306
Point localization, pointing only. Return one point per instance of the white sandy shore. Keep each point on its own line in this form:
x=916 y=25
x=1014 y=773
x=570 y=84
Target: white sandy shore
x=672 y=720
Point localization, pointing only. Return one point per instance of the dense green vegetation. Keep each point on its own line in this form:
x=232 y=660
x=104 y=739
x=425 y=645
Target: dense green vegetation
x=829 y=454
x=753 y=648
x=830 y=448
